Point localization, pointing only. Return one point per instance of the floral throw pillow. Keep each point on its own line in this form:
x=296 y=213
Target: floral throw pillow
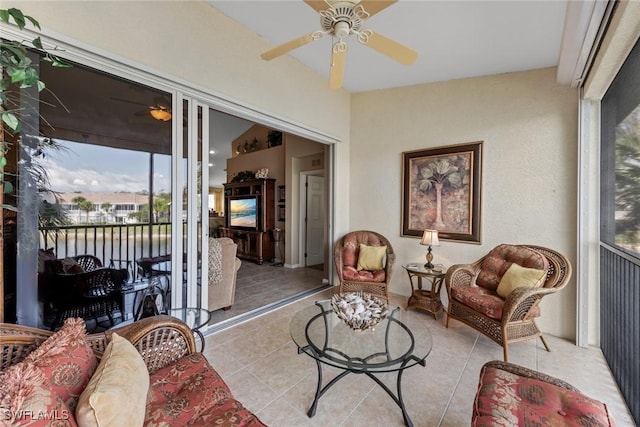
x=26 y=399
x=66 y=360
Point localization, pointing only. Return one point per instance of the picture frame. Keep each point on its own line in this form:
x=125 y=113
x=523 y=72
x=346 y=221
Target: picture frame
x=441 y=190
x=281 y=213
x=282 y=193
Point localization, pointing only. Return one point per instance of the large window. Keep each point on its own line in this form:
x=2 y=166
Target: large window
x=620 y=159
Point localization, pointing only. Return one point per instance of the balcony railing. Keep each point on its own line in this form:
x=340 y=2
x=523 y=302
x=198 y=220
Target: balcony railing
x=117 y=245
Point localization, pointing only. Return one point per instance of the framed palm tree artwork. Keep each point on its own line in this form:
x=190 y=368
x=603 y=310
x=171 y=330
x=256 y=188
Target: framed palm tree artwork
x=441 y=190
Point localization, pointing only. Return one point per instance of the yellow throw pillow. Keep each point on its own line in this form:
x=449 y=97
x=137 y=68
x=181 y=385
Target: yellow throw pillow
x=517 y=276
x=117 y=392
x=371 y=257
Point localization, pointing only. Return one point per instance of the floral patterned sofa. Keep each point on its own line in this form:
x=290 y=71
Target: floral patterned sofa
x=69 y=378
x=512 y=395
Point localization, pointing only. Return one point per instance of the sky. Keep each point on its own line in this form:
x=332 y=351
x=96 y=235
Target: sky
x=86 y=168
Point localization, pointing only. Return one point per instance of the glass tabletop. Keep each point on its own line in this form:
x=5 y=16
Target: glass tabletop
x=195 y=318
x=397 y=342
x=438 y=270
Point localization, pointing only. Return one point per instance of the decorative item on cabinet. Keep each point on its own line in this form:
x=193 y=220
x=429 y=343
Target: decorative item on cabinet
x=274 y=138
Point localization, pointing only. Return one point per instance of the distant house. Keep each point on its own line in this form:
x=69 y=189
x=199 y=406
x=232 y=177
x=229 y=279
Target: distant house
x=107 y=207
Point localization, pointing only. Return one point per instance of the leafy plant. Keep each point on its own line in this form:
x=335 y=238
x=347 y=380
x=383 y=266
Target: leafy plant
x=18 y=71
x=243 y=176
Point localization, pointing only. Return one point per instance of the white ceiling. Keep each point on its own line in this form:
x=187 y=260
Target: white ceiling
x=454 y=39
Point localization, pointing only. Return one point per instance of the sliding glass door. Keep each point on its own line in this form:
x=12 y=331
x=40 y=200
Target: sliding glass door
x=189 y=204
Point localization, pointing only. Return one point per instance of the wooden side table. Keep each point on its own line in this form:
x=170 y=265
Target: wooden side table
x=425 y=299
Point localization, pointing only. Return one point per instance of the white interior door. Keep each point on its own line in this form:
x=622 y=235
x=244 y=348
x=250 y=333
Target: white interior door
x=315 y=220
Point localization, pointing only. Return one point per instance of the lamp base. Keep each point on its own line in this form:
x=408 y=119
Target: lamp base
x=429 y=265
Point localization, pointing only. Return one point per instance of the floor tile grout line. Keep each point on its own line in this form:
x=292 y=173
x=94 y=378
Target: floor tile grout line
x=455 y=388
x=357 y=405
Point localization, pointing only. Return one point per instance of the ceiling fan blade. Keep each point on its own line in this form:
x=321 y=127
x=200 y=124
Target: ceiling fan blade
x=375 y=6
x=336 y=72
x=129 y=101
x=287 y=47
x=318 y=5
x=162 y=102
x=392 y=49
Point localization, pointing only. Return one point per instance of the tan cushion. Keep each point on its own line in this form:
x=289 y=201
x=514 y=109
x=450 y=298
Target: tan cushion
x=517 y=276
x=371 y=257
x=117 y=393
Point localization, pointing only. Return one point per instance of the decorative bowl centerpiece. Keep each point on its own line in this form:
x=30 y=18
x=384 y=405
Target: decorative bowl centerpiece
x=359 y=310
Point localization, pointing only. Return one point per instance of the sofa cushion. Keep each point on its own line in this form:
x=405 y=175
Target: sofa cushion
x=371 y=257
x=26 y=399
x=117 y=392
x=484 y=301
x=191 y=392
x=507 y=399
x=517 y=276
x=66 y=360
x=495 y=263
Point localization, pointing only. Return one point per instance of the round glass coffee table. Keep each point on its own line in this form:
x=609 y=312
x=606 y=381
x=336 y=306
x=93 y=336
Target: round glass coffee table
x=195 y=318
x=395 y=344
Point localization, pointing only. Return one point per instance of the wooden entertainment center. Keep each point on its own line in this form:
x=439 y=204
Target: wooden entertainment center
x=252 y=234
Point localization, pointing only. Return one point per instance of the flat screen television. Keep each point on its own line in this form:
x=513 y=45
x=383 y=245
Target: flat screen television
x=243 y=213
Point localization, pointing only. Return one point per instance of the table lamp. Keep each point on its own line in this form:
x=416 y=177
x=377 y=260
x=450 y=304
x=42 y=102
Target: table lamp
x=430 y=238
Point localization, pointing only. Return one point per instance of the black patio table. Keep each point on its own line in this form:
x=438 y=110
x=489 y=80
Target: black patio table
x=395 y=344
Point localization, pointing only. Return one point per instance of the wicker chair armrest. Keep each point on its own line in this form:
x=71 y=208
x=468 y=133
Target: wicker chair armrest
x=520 y=302
x=7 y=329
x=391 y=259
x=460 y=275
x=528 y=373
x=161 y=340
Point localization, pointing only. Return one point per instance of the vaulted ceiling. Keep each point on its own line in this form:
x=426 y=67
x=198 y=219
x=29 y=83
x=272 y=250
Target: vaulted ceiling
x=454 y=39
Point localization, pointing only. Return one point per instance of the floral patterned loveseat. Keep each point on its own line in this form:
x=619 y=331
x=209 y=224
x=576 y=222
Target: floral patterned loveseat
x=69 y=378
x=512 y=395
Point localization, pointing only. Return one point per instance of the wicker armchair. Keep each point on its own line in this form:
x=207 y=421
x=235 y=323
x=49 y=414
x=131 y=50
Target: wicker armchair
x=89 y=295
x=88 y=262
x=346 y=255
x=161 y=340
x=473 y=300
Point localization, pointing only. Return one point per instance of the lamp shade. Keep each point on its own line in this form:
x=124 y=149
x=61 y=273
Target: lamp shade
x=430 y=238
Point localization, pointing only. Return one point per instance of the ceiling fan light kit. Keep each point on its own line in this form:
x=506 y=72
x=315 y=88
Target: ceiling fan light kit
x=160 y=114
x=341 y=19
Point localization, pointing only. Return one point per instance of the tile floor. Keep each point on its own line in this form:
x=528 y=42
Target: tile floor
x=260 y=285
x=260 y=363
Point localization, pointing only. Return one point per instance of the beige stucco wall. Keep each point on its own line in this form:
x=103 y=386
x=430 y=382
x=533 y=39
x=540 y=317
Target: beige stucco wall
x=529 y=127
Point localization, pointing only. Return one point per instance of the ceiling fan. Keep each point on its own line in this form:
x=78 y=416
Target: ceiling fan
x=341 y=19
x=159 y=111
